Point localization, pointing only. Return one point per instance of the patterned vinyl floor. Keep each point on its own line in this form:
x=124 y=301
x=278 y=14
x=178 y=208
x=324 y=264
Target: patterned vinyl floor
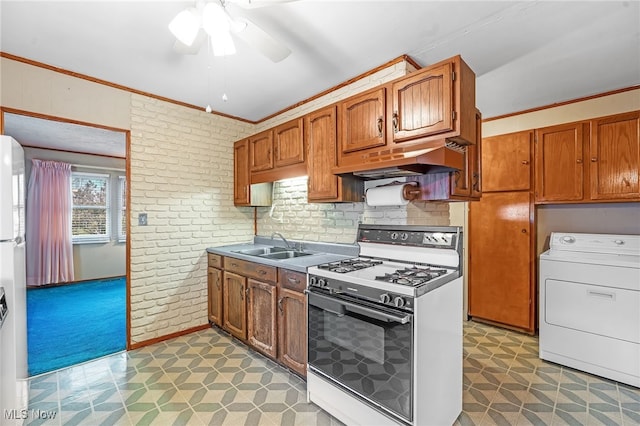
x=208 y=378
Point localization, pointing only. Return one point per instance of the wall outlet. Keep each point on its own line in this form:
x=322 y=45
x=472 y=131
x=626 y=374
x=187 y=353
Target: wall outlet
x=142 y=219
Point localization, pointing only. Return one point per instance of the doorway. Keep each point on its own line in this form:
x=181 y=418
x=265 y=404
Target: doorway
x=100 y=237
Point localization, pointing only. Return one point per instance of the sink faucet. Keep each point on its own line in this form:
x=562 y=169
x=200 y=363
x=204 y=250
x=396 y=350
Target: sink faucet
x=286 y=243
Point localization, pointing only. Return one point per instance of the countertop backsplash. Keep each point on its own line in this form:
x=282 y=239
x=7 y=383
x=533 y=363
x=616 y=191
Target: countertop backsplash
x=297 y=219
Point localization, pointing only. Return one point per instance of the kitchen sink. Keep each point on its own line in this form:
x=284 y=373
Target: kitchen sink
x=289 y=254
x=275 y=253
x=262 y=251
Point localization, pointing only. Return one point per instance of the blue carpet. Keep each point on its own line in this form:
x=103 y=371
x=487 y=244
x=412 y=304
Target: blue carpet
x=74 y=323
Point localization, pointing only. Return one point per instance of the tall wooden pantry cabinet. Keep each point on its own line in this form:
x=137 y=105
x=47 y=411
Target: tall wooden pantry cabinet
x=501 y=235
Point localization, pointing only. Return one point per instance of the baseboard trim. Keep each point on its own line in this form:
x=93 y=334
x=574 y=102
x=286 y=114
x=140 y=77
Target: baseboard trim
x=144 y=343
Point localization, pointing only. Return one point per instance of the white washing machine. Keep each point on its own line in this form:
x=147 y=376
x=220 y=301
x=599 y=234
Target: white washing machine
x=590 y=304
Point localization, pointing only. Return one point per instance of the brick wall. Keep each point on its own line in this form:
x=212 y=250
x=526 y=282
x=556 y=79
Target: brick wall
x=291 y=215
x=182 y=177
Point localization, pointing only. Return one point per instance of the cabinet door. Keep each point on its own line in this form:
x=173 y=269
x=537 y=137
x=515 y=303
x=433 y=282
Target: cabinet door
x=615 y=157
x=292 y=330
x=506 y=162
x=559 y=171
x=362 y=121
x=235 y=308
x=241 y=183
x=320 y=133
x=214 y=284
x=288 y=143
x=423 y=103
x=501 y=283
x=261 y=151
x=261 y=316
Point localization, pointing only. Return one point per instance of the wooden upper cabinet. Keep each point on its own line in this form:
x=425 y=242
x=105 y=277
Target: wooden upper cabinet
x=362 y=121
x=506 y=162
x=321 y=134
x=241 y=182
x=261 y=151
x=559 y=171
x=288 y=143
x=614 y=153
x=423 y=104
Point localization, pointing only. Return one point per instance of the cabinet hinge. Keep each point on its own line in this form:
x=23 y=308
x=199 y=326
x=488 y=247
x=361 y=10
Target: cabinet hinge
x=453 y=115
x=453 y=76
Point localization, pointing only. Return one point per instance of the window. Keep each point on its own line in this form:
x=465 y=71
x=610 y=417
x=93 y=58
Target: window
x=122 y=217
x=91 y=217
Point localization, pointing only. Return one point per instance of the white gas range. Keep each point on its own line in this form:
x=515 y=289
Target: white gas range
x=385 y=329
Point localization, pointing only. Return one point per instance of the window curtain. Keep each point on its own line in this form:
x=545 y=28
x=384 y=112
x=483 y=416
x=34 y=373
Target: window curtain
x=48 y=228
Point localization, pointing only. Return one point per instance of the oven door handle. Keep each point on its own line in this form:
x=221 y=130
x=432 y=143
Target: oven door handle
x=339 y=307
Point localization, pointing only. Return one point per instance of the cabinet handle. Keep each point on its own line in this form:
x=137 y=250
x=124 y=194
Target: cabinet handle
x=262 y=272
x=579 y=161
x=294 y=280
x=594 y=159
x=476 y=182
x=395 y=122
x=280 y=308
x=524 y=231
x=525 y=162
x=235 y=265
x=380 y=126
x=242 y=291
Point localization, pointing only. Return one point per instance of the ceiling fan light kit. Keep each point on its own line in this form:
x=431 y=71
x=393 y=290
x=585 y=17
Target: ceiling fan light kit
x=218 y=26
x=185 y=26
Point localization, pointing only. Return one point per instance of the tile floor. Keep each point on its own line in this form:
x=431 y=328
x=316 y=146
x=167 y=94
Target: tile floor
x=209 y=378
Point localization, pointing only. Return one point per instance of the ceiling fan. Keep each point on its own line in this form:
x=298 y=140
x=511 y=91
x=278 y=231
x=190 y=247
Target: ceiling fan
x=192 y=26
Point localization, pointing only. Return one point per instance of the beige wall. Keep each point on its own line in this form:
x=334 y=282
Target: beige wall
x=181 y=176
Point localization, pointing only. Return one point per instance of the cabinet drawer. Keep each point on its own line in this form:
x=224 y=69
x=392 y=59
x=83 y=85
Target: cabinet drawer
x=296 y=281
x=215 y=261
x=250 y=269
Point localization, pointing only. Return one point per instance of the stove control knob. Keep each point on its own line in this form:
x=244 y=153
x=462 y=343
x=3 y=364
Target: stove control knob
x=313 y=281
x=399 y=302
x=394 y=235
x=404 y=236
x=385 y=298
x=322 y=282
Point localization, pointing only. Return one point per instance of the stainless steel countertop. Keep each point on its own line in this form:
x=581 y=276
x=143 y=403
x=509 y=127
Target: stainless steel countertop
x=321 y=253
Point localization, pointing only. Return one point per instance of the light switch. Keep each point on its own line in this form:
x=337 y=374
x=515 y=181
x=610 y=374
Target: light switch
x=142 y=219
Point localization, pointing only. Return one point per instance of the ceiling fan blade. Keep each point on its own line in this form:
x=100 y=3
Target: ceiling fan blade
x=257 y=38
x=253 y=4
x=182 y=48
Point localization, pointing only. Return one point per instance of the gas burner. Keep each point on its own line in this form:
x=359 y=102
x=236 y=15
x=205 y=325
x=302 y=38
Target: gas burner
x=412 y=276
x=349 y=265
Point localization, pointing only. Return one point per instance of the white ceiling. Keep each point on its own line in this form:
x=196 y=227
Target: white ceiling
x=525 y=54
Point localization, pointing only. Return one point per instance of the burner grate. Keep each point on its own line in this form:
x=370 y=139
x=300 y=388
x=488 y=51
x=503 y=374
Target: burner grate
x=412 y=276
x=349 y=265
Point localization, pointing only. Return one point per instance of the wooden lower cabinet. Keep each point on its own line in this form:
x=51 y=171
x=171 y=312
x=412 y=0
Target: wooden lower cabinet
x=263 y=306
x=261 y=317
x=292 y=320
x=214 y=286
x=235 y=308
x=501 y=272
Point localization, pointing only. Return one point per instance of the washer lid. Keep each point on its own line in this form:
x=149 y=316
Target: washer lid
x=607 y=259
x=600 y=249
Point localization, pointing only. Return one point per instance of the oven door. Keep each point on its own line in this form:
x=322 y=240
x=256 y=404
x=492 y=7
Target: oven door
x=365 y=348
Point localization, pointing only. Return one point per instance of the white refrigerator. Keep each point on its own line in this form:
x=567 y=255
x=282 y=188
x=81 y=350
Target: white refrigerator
x=13 y=293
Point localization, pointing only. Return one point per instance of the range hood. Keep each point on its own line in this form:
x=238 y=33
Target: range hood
x=442 y=157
